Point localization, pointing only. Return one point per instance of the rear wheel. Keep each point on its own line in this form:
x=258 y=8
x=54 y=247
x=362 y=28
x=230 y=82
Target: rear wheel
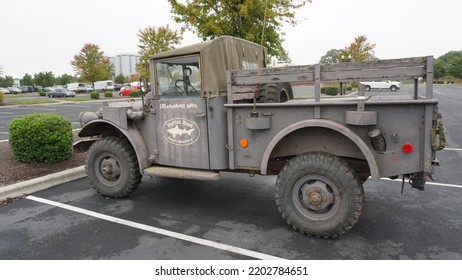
x=319 y=194
x=112 y=167
x=367 y=88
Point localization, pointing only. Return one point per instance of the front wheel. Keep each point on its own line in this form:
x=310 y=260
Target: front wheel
x=112 y=167
x=319 y=194
x=393 y=88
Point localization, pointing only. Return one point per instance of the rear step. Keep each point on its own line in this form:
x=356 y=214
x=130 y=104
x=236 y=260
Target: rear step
x=175 y=172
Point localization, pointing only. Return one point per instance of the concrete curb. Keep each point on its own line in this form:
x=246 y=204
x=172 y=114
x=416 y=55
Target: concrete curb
x=41 y=183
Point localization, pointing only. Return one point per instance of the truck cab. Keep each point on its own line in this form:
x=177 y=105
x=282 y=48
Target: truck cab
x=188 y=96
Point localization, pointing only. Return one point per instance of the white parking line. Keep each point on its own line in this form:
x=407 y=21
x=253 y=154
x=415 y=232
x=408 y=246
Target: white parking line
x=160 y=231
x=427 y=183
x=452 y=149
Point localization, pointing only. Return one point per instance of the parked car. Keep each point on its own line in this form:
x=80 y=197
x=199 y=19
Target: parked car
x=118 y=86
x=14 y=90
x=27 y=88
x=4 y=90
x=125 y=91
x=61 y=92
x=77 y=87
x=391 y=85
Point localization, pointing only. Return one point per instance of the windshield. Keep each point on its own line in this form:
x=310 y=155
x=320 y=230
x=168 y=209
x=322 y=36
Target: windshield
x=178 y=77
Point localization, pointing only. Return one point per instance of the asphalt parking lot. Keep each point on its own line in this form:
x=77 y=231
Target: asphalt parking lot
x=236 y=218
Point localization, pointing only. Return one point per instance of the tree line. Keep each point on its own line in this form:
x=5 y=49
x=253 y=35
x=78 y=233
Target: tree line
x=44 y=79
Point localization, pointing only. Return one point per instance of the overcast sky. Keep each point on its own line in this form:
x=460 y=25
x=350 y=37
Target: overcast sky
x=44 y=35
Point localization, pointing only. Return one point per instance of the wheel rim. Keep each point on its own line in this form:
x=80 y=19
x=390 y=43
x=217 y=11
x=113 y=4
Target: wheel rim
x=316 y=197
x=284 y=96
x=108 y=169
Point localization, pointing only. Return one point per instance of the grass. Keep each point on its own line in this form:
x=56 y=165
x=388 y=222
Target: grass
x=30 y=100
x=14 y=96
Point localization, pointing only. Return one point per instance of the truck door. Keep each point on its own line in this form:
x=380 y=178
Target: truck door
x=182 y=132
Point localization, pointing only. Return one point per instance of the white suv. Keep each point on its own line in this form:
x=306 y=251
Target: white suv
x=391 y=85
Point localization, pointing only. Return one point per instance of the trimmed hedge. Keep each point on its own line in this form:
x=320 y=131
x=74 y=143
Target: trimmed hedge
x=41 y=138
x=1 y=98
x=42 y=93
x=135 y=93
x=108 y=93
x=94 y=95
x=330 y=90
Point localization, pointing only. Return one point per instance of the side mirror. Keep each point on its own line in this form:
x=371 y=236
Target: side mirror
x=144 y=84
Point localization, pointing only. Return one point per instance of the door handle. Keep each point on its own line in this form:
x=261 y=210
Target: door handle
x=201 y=115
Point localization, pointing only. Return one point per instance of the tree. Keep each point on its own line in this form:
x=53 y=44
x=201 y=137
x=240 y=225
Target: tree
x=439 y=69
x=154 y=40
x=91 y=65
x=331 y=56
x=455 y=67
x=119 y=79
x=27 y=80
x=449 y=64
x=6 y=81
x=239 y=18
x=45 y=79
x=449 y=56
x=359 y=50
x=65 y=79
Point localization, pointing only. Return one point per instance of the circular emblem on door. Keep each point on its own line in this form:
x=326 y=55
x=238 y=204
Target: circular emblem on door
x=180 y=131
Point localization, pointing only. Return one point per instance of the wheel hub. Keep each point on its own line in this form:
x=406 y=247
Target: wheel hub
x=317 y=196
x=110 y=169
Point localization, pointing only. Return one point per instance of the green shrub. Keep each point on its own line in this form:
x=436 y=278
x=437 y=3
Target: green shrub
x=1 y=97
x=108 y=93
x=349 y=88
x=41 y=138
x=42 y=93
x=94 y=95
x=135 y=93
x=330 y=90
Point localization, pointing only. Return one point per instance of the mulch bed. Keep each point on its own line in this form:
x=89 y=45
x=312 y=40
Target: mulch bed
x=13 y=171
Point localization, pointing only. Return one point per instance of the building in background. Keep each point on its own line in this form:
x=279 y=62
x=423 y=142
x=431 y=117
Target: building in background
x=124 y=64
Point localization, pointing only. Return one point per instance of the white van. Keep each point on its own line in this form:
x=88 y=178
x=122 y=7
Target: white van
x=77 y=87
x=104 y=85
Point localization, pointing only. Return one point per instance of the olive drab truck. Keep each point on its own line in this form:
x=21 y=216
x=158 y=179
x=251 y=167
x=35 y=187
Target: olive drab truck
x=214 y=107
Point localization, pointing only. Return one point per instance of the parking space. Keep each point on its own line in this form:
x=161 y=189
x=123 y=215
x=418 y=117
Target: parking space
x=232 y=219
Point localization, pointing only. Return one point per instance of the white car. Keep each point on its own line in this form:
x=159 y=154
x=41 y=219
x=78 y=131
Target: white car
x=391 y=85
x=4 y=90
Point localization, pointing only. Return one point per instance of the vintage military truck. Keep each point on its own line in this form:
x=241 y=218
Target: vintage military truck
x=202 y=116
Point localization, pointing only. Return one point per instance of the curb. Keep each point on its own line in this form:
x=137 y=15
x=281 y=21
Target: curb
x=41 y=183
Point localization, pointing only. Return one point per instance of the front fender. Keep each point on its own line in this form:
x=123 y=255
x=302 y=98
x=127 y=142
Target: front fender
x=106 y=128
x=328 y=124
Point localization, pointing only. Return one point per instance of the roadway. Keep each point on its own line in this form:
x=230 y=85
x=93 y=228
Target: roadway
x=236 y=217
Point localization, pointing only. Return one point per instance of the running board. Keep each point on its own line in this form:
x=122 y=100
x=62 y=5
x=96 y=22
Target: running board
x=182 y=173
